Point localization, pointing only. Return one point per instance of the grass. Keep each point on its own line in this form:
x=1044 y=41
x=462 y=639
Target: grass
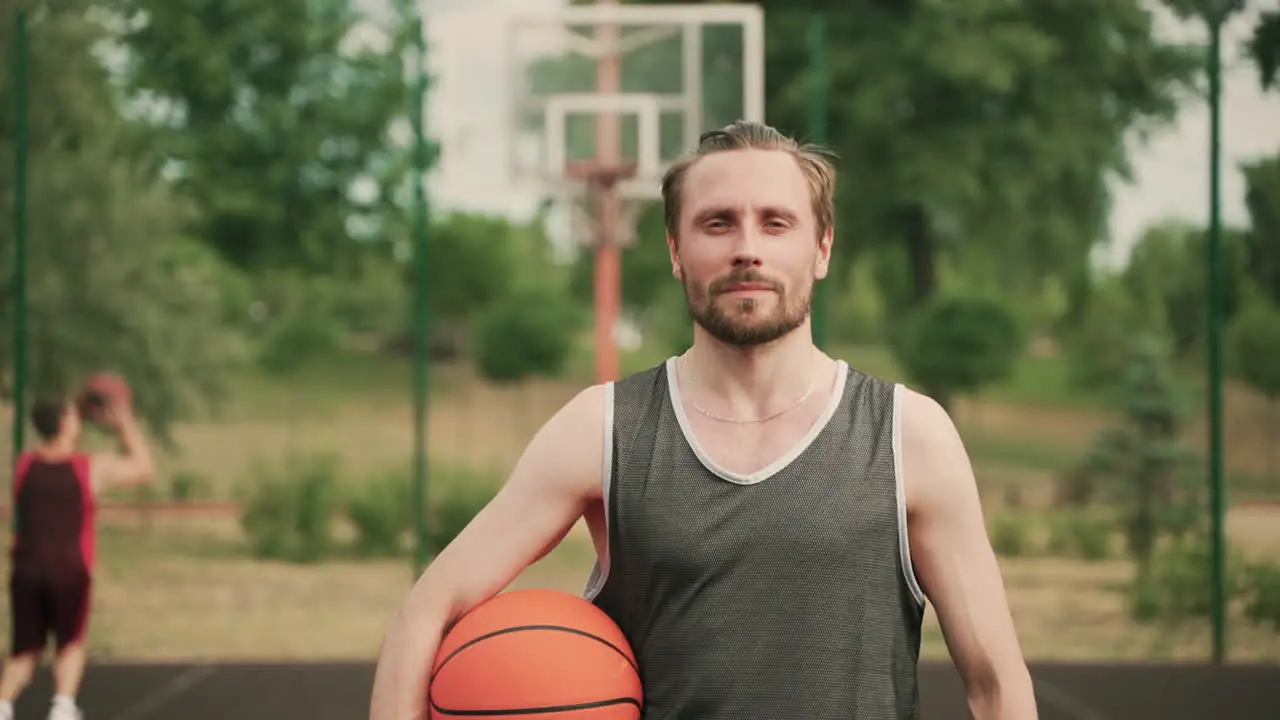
x=1020 y=436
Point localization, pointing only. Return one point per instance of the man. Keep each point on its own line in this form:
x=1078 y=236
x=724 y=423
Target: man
x=768 y=521
x=55 y=487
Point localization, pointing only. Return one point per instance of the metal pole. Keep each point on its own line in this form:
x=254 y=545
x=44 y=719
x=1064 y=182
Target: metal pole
x=20 y=81
x=818 y=134
x=421 y=311
x=1215 y=286
x=608 y=255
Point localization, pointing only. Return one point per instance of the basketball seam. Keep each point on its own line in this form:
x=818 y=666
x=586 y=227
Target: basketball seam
x=522 y=628
x=537 y=710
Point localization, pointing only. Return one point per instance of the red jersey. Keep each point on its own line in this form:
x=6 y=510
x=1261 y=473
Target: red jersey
x=54 y=504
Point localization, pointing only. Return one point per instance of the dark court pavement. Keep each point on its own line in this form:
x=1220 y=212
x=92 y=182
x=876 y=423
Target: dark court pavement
x=332 y=691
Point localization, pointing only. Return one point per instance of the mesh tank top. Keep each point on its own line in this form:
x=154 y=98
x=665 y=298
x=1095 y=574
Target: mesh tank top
x=783 y=596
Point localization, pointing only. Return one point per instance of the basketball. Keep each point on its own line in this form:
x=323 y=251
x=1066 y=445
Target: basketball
x=100 y=388
x=541 y=653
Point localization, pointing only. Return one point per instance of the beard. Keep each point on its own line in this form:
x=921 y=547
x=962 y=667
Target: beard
x=745 y=322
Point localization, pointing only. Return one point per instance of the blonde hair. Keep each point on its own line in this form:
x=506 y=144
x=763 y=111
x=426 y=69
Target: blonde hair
x=814 y=161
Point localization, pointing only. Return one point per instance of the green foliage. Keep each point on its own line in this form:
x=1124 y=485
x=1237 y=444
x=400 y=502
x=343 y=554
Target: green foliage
x=1260 y=586
x=187 y=486
x=1099 y=347
x=1167 y=281
x=465 y=494
x=1011 y=534
x=380 y=510
x=1082 y=535
x=957 y=344
x=1253 y=344
x=287 y=511
x=1174 y=585
x=1262 y=198
x=1140 y=463
x=280 y=113
x=112 y=278
x=529 y=332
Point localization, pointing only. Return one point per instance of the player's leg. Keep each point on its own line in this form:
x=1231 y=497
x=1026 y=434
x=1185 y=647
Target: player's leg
x=29 y=615
x=70 y=621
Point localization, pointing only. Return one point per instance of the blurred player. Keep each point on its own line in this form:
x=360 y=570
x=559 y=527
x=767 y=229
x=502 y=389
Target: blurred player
x=55 y=486
x=768 y=521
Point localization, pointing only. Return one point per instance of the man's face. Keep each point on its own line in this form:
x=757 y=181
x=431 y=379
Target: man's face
x=748 y=250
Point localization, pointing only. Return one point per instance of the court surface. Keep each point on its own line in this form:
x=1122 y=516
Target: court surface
x=334 y=691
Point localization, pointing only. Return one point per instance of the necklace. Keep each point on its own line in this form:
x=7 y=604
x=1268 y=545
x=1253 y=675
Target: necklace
x=748 y=421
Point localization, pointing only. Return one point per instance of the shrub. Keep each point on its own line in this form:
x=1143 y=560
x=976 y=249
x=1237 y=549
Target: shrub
x=1260 y=585
x=462 y=495
x=957 y=345
x=531 y=332
x=186 y=485
x=1175 y=584
x=1011 y=534
x=288 y=511
x=1087 y=536
x=381 y=512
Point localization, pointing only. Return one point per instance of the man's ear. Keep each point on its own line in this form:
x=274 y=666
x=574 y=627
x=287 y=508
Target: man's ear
x=676 y=270
x=822 y=266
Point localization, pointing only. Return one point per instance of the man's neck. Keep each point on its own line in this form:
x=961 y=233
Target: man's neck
x=754 y=380
x=57 y=449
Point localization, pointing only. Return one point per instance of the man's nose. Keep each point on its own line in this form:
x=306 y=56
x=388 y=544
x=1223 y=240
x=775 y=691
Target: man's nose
x=746 y=252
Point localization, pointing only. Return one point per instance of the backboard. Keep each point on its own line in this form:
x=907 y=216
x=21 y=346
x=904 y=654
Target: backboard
x=647 y=79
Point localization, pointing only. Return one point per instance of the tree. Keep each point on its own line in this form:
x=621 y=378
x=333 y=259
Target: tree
x=275 y=120
x=113 y=282
x=1165 y=275
x=1262 y=198
x=959 y=344
x=1149 y=472
x=1253 y=340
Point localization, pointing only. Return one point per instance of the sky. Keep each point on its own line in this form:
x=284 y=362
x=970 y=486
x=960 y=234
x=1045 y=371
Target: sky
x=467 y=116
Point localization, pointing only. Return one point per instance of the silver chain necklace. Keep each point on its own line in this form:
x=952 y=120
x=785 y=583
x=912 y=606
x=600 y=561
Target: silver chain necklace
x=749 y=421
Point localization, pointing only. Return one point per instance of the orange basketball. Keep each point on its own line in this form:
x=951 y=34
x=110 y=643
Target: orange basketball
x=541 y=653
x=103 y=387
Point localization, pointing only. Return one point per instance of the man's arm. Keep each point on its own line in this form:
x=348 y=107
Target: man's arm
x=956 y=566
x=132 y=465
x=548 y=490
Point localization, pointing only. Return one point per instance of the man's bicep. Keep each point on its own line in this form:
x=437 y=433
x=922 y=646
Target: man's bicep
x=546 y=493
x=950 y=549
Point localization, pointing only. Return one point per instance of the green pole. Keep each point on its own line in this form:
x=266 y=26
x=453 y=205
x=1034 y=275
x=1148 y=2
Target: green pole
x=818 y=133
x=20 y=81
x=1215 y=285
x=421 y=319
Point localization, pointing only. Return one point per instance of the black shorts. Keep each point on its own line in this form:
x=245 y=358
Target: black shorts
x=40 y=605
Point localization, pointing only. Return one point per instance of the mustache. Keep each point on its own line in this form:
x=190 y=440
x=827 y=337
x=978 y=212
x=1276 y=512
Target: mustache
x=719 y=287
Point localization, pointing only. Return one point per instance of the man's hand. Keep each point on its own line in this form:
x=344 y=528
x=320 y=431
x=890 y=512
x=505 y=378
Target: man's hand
x=133 y=465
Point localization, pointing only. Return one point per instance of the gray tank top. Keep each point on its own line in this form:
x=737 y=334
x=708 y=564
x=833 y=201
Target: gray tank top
x=781 y=596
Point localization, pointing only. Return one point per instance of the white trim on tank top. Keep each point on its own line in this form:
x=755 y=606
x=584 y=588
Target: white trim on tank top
x=600 y=571
x=773 y=468
x=904 y=540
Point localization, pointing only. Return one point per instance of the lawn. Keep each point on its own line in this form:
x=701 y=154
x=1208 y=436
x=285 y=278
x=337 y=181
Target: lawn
x=357 y=408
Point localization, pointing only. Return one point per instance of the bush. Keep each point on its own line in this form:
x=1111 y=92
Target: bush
x=463 y=494
x=1086 y=536
x=1175 y=586
x=381 y=512
x=186 y=485
x=288 y=511
x=1011 y=534
x=957 y=344
x=529 y=333
x=1260 y=585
